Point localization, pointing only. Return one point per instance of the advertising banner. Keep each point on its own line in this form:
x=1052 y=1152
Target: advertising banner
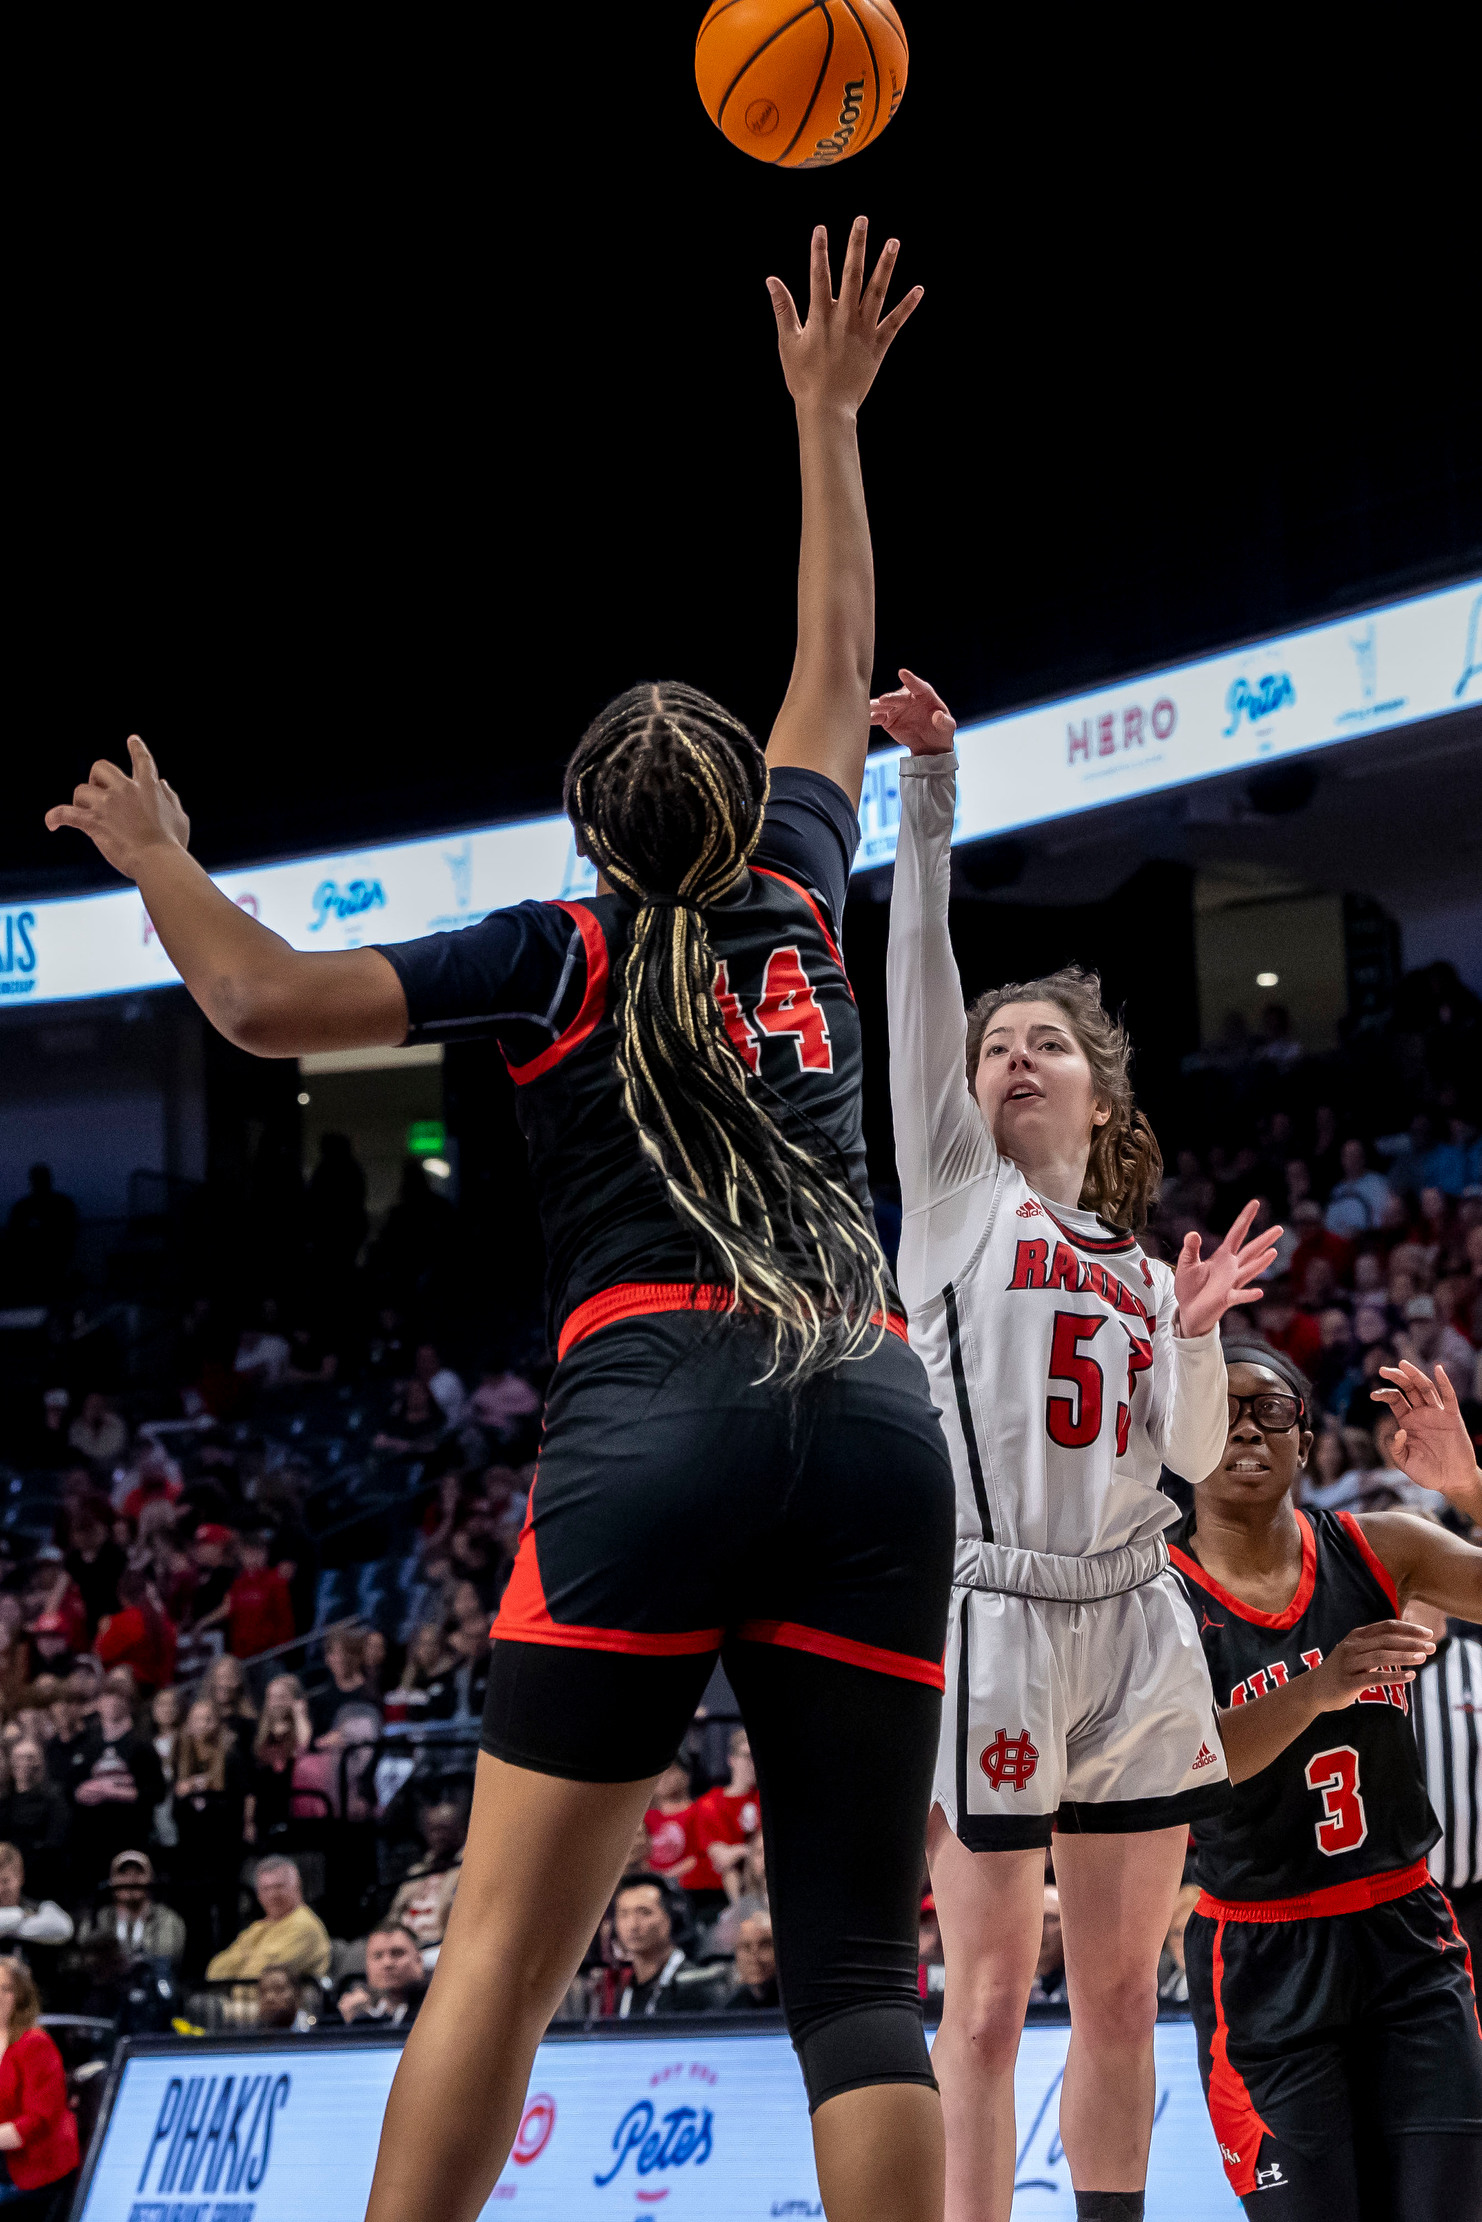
x=707 y=2127
x=1388 y=667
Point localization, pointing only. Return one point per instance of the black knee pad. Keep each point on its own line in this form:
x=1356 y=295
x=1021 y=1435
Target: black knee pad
x=865 y=2044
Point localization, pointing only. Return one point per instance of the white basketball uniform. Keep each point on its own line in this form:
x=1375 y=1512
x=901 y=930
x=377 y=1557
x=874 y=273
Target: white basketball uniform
x=1076 y=1685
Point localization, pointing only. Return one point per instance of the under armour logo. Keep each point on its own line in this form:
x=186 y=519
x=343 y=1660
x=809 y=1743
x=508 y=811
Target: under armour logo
x=1031 y=1210
x=1206 y=1758
x=1268 y=2178
x=1009 y=1759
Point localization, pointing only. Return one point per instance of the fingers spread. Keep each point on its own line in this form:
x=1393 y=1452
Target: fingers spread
x=851 y=277
x=784 y=308
x=820 y=286
x=1242 y=1225
x=921 y=687
x=141 y=759
x=873 y=297
x=900 y=312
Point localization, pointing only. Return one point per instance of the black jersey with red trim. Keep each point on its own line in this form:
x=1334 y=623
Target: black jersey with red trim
x=1347 y=1798
x=538 y=977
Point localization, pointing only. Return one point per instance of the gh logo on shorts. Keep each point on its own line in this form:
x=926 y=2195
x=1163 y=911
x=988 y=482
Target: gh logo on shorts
x=1009 y=1760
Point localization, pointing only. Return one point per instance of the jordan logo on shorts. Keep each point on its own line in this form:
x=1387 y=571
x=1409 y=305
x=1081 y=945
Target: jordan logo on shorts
x=1009 y=1759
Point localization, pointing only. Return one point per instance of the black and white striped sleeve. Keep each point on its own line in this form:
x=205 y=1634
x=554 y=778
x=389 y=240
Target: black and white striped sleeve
x=1446 y=1710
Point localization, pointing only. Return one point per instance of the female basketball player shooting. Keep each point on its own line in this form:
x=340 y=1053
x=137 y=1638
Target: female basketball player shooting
x=1069 y=1368
x=739 y=1449
x=1330 y=1986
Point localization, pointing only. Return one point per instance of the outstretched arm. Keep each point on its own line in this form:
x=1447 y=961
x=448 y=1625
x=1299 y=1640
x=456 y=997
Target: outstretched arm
x=264 y=996
x=830 y=364
x=1431 y=1444
x=942 y=1147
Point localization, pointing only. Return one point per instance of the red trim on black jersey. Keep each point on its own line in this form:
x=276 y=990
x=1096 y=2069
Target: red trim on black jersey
x=1301 y=1599
x=1456 y=1931
x=791 y=1635
x=1237 y=2125
x=1372 y=1560
x=593 y=1001
x=1355 y=1897
x=1115 y=1246
x=525 y=1617
x=639 y=1299
x=768 y=873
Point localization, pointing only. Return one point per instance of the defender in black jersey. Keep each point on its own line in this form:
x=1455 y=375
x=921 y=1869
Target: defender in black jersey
x=739 y=1449
x=1330 y=1986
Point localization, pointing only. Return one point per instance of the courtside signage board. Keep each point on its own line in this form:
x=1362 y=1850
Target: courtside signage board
x=1388 y=667
x=694 y=2127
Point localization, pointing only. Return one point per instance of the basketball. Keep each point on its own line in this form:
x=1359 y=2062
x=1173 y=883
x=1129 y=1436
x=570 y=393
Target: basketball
x=801 y=83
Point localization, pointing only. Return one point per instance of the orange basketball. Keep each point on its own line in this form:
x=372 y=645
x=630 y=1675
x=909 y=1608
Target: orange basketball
x=801 y=83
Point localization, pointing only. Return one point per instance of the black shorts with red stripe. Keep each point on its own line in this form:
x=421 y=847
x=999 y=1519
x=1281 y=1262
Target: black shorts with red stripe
x=1340 y=2049
x=684 y=1506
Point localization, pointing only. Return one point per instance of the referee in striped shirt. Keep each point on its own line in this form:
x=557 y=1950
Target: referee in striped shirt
x=1446 y=1712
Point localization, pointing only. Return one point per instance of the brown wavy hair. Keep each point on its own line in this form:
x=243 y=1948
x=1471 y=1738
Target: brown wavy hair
x=1126 y=1165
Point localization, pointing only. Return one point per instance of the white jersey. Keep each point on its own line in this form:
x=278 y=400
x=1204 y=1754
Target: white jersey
x=1048 y=1336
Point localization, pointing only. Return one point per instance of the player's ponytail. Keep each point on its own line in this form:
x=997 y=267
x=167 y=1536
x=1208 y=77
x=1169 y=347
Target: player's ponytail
x=1125 y=1166
x=666 y=792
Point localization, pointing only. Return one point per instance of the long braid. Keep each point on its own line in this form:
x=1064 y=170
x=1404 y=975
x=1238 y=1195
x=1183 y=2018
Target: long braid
x=666 y=791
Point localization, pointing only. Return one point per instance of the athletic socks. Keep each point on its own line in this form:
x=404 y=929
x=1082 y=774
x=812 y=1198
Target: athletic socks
x=1109 y=2206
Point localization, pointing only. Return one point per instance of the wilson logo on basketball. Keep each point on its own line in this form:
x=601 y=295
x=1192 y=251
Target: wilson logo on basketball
x=1031 y=1210
x=761 y=118
x=1009 y=1760
x=829 y=150
x=1206 y=1758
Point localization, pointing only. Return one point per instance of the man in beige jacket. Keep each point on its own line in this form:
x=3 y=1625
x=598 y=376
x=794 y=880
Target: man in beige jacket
x=290 y=1934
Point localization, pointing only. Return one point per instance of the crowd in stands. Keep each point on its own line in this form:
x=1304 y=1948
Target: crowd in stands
x=244 y=1606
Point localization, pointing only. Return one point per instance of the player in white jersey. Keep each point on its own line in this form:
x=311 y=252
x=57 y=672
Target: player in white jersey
x=1070 y=1367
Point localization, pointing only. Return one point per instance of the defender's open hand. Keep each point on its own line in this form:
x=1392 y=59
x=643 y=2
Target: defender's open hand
x=124 y=817
x=1207 y=1287
x=833 y=358
x=915 y=713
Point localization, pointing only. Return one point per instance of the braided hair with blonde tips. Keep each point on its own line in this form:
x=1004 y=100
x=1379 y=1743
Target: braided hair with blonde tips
x=666 y=791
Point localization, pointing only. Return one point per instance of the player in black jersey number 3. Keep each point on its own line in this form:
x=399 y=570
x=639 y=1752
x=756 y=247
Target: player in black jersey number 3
x=1330 y=1986
x=739 y=1449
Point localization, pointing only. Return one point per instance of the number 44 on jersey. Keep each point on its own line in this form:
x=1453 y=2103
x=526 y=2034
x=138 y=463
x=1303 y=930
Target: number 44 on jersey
x=787 y=1006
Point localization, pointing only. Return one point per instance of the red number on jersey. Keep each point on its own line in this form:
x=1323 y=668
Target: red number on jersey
x=743 y=1035
x=1073 y=1422
x=1345 y=1824
x=1139 y=1360
x=789 y=1006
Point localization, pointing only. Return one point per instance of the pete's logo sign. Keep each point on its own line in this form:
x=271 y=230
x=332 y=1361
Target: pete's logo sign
x=333 y=901
x=658 y=2142
x=214 y=2131
x=1098 y=736
x=1258 y=699
x=17 y=953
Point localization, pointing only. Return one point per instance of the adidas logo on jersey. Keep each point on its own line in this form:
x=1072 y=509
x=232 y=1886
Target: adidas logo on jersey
x=1031 y=1210
x=1206 y=1758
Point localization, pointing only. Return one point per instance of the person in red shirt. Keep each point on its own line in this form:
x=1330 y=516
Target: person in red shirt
x=669 y=1821
x=1281 y=1324
x=725 y=1817
x=158 y=1482
x=140 y=1634
x=259 y=1608
x=38 y=2133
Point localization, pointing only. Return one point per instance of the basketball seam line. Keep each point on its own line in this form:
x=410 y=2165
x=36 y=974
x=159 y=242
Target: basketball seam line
x=751 y=58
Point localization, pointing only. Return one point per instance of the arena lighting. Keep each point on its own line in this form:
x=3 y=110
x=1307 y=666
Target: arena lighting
x=1263 y=980
x=1237 y=711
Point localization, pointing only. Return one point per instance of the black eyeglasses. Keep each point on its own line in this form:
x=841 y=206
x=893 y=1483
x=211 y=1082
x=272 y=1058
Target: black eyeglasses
x=1272 y=1409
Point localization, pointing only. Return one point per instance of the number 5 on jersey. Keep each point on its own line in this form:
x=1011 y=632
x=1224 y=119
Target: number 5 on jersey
x=788 y=1006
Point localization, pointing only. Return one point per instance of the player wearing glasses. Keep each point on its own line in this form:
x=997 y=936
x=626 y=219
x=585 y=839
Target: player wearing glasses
x=1329 y=1983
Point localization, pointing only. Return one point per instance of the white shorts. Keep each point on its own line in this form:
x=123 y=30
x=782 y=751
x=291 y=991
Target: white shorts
x=1093 y=1716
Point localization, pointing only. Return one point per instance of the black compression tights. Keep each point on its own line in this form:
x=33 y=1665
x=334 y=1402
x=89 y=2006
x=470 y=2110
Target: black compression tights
x=1426 y=2176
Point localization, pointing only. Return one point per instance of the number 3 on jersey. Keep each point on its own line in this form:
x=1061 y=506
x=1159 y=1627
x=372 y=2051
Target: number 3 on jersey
x=788 y=1006
x=1345 y=1824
